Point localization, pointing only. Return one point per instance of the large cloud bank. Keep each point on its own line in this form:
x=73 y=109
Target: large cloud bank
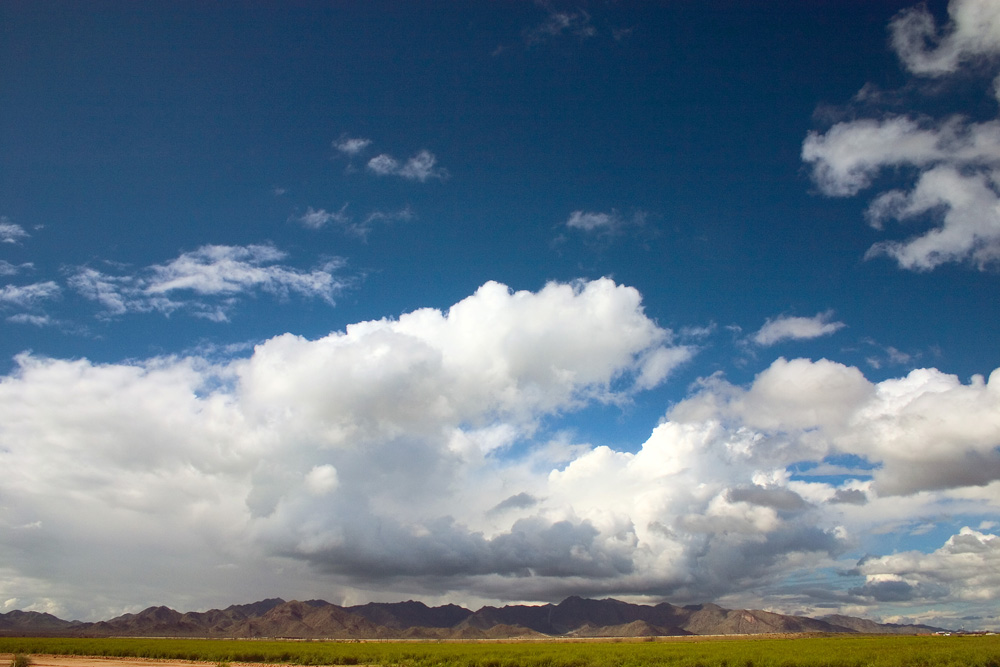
x=414 y=456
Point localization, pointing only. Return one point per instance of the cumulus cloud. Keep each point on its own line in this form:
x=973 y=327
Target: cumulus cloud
x=420 y=167
x=226 y=272
x=362 y=454
x=11 y=232
x=956 y=161
x=965 y=568
x=423 y=453
x=927 y=431
x=383 y=164
x=796 y=328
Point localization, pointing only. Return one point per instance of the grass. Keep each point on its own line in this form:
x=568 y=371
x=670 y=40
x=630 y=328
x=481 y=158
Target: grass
x=838 y=651
x=20 y=660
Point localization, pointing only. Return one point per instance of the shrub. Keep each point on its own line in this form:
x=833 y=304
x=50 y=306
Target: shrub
x=20 y=660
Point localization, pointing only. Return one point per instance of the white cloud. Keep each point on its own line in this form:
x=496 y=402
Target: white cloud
x=35 y=320
x=26 y=296
x=591 y=222
x=8 y=269
x=322 y=480
x=926 y=431
x=558 y=23
x=226 y=272
x=956 y=162
x=419 y=167
x=972 y=32
x=603 y=225
x=380 y=460
x=11 y=232
x=351 y=145
x=965 y=568
x=348 y=224
x=970 y=227
x=316 y=219
x=383 y=164
x=796 y=328
x=363 y=453
x=849 y=155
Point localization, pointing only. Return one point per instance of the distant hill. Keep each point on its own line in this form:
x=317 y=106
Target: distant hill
x=574 y=616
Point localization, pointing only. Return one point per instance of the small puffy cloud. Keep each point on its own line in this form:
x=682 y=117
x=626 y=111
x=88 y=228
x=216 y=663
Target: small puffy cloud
x=420 y=167
x=26 y=296
x=383 y=164
x=226 y=272
x=973 y=31
x=594 y=222
x=604 y=225
x=796 y=328
x=11 y=232
x=351 y=145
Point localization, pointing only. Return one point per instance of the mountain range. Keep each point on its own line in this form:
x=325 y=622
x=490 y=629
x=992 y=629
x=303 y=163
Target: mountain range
x=573 y=617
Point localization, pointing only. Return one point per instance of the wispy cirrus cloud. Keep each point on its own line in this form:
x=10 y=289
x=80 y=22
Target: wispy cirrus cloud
x=11 y=232
x=318 y=218
x=787 y=327
x=597 y=223
x=207 y=282
x=9 y=269
x=347 y=223
x=956 y=161
x=26 y=296
x=32 y=319
x=557 y=23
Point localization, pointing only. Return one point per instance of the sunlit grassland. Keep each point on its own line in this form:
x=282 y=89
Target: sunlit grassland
x=839 y=651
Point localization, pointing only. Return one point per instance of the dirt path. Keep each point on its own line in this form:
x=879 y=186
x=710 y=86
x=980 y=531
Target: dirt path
x=84 y=661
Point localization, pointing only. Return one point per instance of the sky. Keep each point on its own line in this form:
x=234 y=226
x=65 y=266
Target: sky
x=501 y=302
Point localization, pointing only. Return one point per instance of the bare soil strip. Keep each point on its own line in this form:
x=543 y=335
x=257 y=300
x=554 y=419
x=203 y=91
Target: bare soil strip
x=85 y=661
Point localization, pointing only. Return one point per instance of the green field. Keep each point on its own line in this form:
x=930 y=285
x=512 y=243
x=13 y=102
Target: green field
x=846 y=651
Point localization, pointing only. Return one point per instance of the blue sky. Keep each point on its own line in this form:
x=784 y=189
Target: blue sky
x=501 y=303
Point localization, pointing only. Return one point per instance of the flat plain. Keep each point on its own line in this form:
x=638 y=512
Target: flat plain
x=743 y=651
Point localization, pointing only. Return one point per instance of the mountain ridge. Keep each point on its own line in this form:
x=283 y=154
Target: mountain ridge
x=318 y=619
